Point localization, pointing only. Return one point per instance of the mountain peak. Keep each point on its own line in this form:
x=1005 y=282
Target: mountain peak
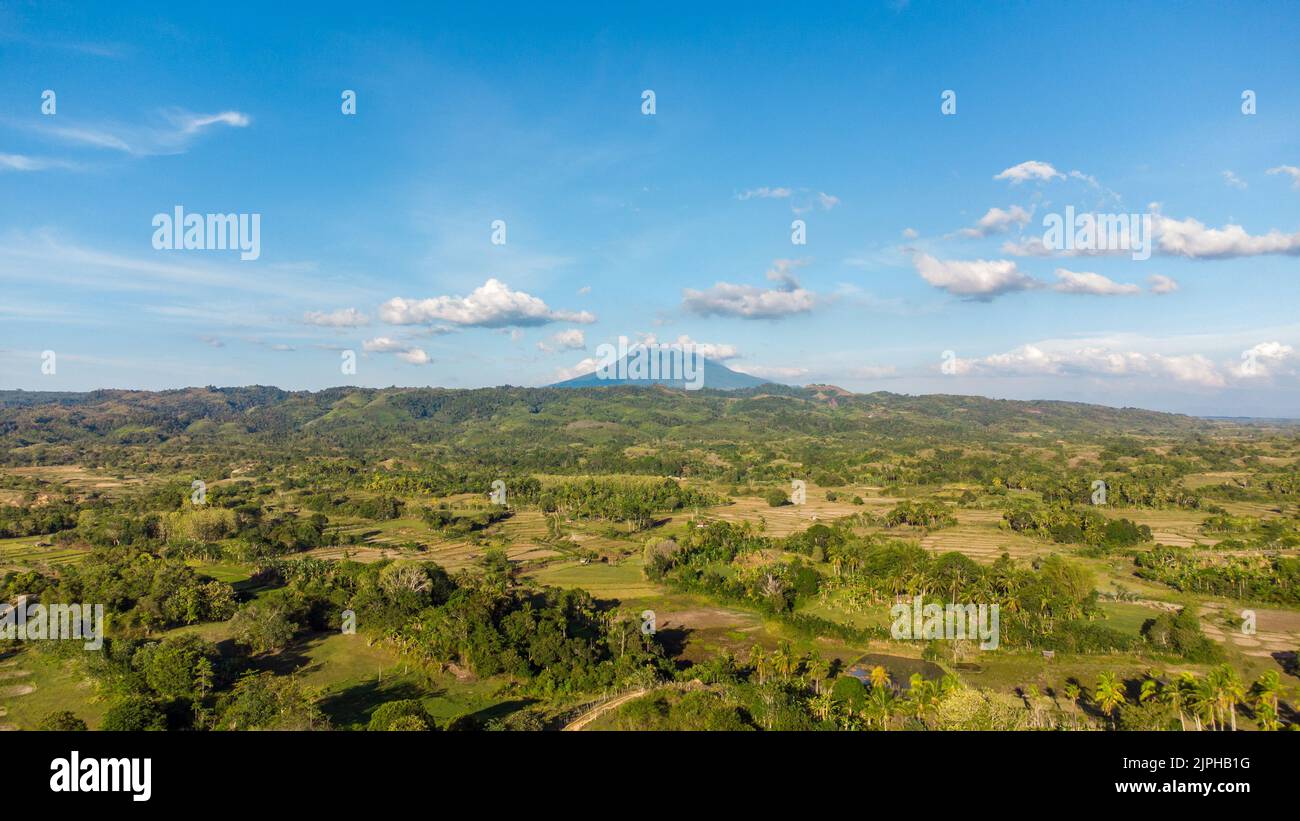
x=627 y=371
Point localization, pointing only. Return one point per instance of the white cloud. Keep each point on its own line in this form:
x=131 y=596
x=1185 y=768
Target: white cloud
x=1266 y=359
x=1161 y=284
x=804 y=199
x=382 y=344
x=173 y=136
x=586 y=366
x=997 y=221
x=1233 y=181
x=1086 y=282
x=414 y=356
x=1050 y=359
x=1291 y=171
x=765 y=193
x=910 y=233
x=191 y=123
x=716 y=351
x=1028 y=247
x=1190 y=238
x=751 y=302
x=404 y=352
x=1030 y=170
x=569 y=340
x=492 y=305
x=22 y=162
x=980 y=279
x=773 y=372
x=342 y=318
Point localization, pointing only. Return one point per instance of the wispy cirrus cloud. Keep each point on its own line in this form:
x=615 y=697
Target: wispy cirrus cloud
x=802 y=200
x=23 y=162
x=171 y=131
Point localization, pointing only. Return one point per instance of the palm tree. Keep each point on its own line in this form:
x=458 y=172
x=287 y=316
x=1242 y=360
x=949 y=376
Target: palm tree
x=782 y=660
x=880 y=705
x=879 y=677
x=1109 y=695
x=1072 y=693
x=1264 y=696
x=1150 y=687
x=1228 y=692
x=819 y=669
x=1031 y=696
x=756 y=661
x=1174 y=693
x=1201 y=699
x=922 y=696
x=823 y=706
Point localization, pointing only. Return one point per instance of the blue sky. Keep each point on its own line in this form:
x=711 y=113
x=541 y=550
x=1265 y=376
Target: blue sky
x=376 y=228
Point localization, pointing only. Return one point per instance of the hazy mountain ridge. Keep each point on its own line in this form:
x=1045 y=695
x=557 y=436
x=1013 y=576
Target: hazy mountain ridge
x=544 y=416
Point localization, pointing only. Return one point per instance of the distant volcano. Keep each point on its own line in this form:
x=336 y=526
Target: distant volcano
x=716 y=376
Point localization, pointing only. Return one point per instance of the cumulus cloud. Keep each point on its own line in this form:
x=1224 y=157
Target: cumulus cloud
x=1233 y=181
x=1044 y=360
x=1291 y=171
x=586 y=366
x=709 y=350
x=1191 y=238
x=1027 y=247
x=1086 y=282
x=492 y=305
x=404 y=352
x=1030 y=170
x=342 y=318
x=382 y=344
x=1265 y=360
x=979 y=279
x=1161 y=284
x=997 y=221
x=750 y=301
x=414 y=356
x=568 y=340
